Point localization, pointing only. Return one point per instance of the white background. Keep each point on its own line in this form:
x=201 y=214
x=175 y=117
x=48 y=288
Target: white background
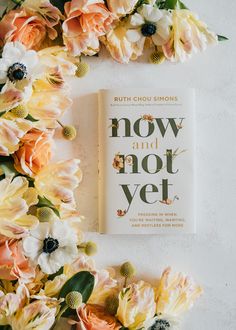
x=210 y=256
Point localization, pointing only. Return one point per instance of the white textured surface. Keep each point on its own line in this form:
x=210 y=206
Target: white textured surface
x=210 y=256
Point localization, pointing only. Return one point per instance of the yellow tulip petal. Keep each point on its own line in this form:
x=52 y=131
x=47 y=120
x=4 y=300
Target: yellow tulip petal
x=31 y=196
x=10 y=134
x=36 y=315
x=27 y=221
x=57 y=181
x=136 y=305
x=176 y=293
x=10 y=99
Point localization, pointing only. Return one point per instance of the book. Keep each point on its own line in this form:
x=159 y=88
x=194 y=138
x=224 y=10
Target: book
x=146 y=161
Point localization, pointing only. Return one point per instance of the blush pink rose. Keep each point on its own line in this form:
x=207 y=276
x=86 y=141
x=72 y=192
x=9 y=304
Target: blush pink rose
x=13 y=264
x=85 y=22
x=29 y=27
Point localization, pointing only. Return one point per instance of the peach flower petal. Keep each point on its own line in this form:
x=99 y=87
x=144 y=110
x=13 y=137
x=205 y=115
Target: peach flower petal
x=34 y=153
x=13 y=264
x=85 y=22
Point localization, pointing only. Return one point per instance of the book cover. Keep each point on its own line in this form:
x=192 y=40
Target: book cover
x=146 y=161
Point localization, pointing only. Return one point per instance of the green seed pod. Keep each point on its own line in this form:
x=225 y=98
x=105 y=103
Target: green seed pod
x=82 y=69
x=69 y=132
x=157 y=58
x=45 y=214
x=127 y=270
x=74 y=299
x=20 y=111
x=90 y=248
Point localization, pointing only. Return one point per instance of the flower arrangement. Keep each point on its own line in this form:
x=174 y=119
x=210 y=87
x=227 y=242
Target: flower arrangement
x=126 y=28
x=48 y=279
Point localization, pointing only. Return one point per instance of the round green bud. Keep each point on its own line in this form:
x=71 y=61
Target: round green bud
x=157 y=58
x=69 y=132
x=127 y=270
x=45 y=214
x=111 y=304
x=90 y=248
x=74 y=299
x=82 y=69
x=20 y=111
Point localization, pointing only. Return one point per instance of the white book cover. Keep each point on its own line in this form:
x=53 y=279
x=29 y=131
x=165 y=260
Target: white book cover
x=146 y=161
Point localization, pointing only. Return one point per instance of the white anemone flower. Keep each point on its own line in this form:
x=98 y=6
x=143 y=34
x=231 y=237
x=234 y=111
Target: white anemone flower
x=161 y=322
x=151 y=22
x=17 y=63
x=51 y=245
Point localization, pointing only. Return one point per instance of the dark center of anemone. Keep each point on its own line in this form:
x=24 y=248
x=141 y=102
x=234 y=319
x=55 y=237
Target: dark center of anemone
x=160 y=325
x=50 y=245
x=148 y=29
x=17 y=71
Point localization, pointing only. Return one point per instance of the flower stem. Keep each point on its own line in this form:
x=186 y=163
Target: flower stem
x=81 y=248
x=62 y=311
x=59 y=315
x=60 y=123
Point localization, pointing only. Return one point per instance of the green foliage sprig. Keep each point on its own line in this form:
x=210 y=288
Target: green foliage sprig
x=82 y=282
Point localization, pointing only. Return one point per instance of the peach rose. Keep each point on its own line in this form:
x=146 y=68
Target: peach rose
x=19 y=25
x=85 y=22
x=34 y=153
x=50 y=14
x=13 y=263
x=94 y=317
x=29 y=26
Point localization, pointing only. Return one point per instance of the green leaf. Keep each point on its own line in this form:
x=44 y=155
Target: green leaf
x=181 y=5
x=18 y=2
x=222 y=38
x=2 y=113
x=30 y=180
x=171 y=4
x=161 y=4
x=59 y=272
x=8 y=168
x=2 y=177
x=31 y=118
x=5 y=158
x=82 y=282
x=43 y=201
x=59 y=4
